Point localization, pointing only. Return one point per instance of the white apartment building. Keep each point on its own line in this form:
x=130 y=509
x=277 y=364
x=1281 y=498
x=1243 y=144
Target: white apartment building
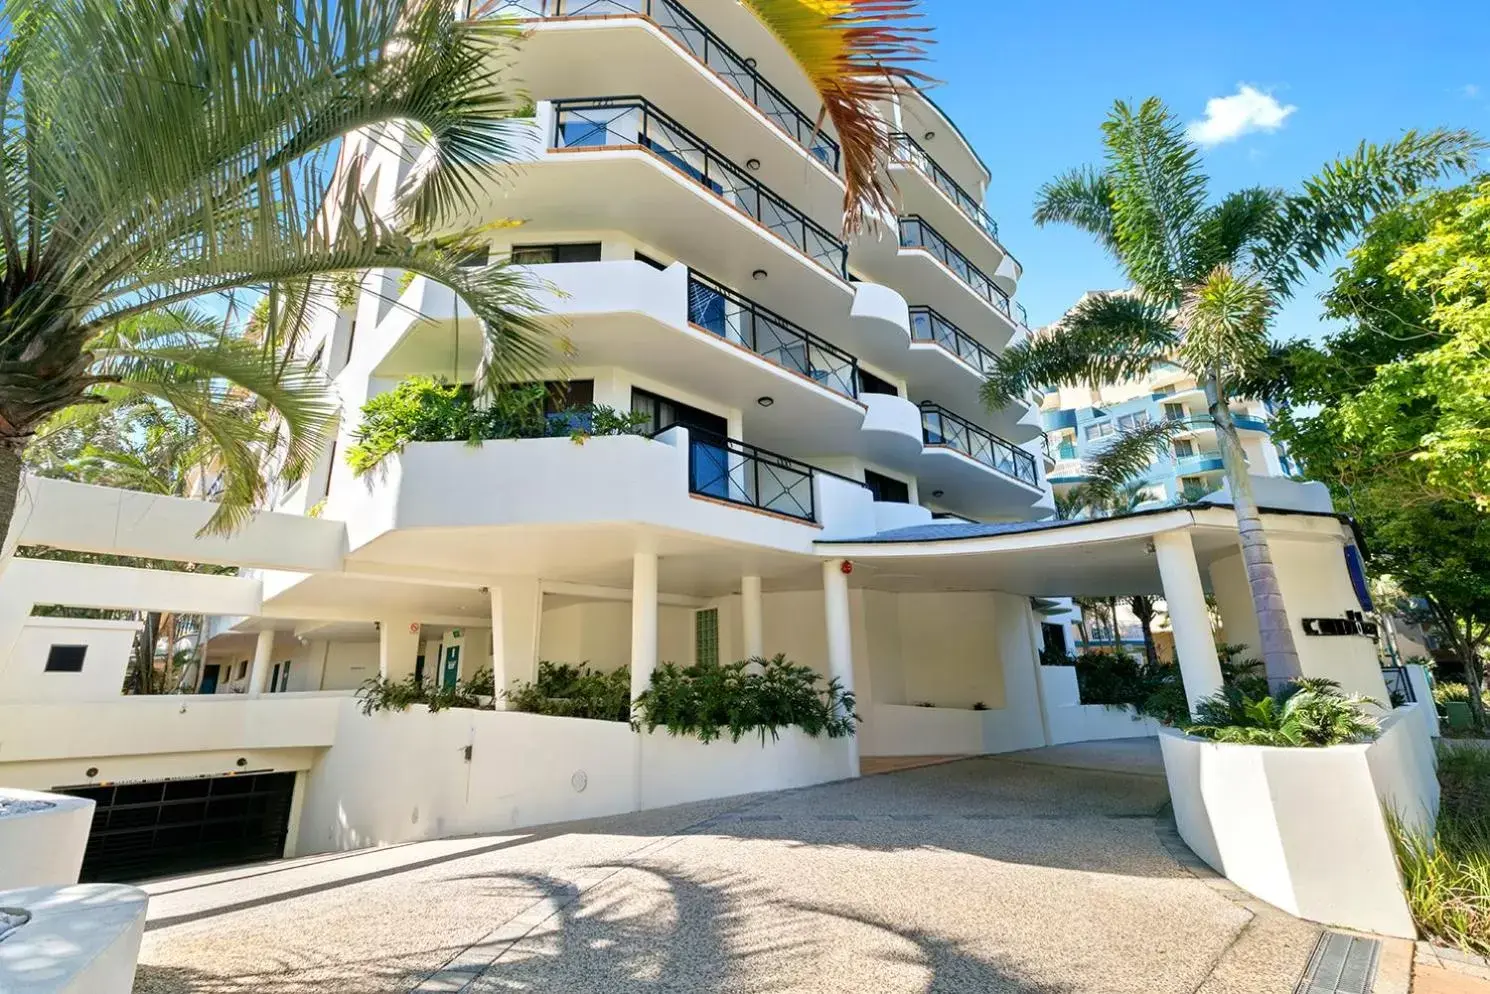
x=818 y=479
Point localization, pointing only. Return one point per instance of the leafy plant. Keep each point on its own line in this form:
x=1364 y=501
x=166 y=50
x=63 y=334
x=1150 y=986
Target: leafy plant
x=1305 y=713
x=709 y=700
x=381 y=694
x=567 y=691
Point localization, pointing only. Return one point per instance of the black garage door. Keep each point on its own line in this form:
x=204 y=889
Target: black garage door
x=178 y=826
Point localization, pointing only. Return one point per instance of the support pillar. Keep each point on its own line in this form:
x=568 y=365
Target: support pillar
x=398 y=648
x=752 y=614
x=1194 y=645
x=258 y=672
x=840 y=637
x=516 y=614
x=643 y=621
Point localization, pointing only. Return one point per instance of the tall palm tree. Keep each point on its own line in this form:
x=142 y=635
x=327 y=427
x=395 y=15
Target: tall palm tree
x=160 y=155
x=1207 y=277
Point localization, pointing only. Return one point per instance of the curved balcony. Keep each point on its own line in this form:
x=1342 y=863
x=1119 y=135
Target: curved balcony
x=690 y=33
x=1198 y=465
x=941 y=427
x=615 y=123
x=905 y=151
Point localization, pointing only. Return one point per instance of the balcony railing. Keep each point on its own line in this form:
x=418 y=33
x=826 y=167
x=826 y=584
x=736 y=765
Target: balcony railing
x=916 y=233
x=929 y=326
x=679 y=24
x=904 y=149
x=730 y=470
x=1250 y=422
x=631 y=122
x=1193 y=464
x=941 y=427
x=716 y=308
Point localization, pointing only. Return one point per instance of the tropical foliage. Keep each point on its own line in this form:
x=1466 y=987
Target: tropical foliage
x=1116 y=679
x=1207 y=276
x=568 y=691
x=161 y=154
x=1304 y=713
x=382 y=694
x=425 y=409
x=752 y=696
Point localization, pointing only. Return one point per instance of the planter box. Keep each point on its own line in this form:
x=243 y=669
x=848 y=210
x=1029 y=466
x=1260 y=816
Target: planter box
x=1305 y=829
x=677 y=770
x=83 y=939
x=1070 y=720
x=42 y=838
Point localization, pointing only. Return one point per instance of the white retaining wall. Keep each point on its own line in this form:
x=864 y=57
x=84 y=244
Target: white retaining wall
x=1304 y=829
x=82 y=939
x=1069 y=720
x=108 y=647
x=401 y=777
x=42 y=846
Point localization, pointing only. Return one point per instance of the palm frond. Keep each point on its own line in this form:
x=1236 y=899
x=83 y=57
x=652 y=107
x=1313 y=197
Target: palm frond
x=1158 y=196
x=1233 y=229
x=1129 y=454
x=1081 y=198
x=1106 y=338
x=1335 y=204
x=856 y=53
x=1226 y=320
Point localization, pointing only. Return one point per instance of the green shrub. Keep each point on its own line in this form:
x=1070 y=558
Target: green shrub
x=381 y=694
x=752 y=695
x=424 y=409
x=566 y=691
x=1306 y=713
x=1112 y=678
x=1447 y=876
x=1450 y=691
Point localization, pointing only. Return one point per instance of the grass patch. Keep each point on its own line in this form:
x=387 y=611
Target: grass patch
x=1448 y=876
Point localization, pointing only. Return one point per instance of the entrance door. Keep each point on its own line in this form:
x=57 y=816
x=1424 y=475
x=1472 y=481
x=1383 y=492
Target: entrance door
x=209 y=678
x=450 y=673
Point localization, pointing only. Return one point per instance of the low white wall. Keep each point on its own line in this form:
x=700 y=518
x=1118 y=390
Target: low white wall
x=1069 y=720
x=42 y=846
x=108 y=647
x=82 y=939
x=400 y=777
x=906 y=730
x=1304 y=829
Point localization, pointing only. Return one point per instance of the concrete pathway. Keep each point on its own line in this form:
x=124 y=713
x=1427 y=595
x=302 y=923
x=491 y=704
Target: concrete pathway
x=1043 y=873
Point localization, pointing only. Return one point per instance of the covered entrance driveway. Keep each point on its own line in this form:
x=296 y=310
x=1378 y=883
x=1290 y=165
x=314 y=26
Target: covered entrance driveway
x=1049 y=871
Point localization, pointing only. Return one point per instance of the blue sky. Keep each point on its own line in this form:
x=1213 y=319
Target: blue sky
x=1029 y=84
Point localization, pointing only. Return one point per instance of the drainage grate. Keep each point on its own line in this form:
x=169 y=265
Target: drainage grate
x=1341 y=964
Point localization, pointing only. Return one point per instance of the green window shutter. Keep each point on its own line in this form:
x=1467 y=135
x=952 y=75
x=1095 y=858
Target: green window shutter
x=706 y=636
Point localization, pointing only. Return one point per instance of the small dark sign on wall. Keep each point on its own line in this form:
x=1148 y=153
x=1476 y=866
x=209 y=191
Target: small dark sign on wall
x=1354 y=623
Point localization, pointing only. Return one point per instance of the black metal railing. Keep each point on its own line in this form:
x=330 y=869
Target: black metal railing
x=1399 y=685
x=941 y=427
x=730 y=470
x=632 y=121
x=718 y=309
x=681 y=25
x=904 y=149
x=916 y=233
x=929 y=326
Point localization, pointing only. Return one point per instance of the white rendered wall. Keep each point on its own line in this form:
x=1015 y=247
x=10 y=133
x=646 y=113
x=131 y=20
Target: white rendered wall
x=109 y=646
x=82 y=939
x=599 y=633
x=1069 y=720
x=679 y=770
x=42 y=847
x=1304 y=828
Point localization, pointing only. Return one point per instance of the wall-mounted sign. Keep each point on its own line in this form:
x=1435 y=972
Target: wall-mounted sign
x=1354 y=623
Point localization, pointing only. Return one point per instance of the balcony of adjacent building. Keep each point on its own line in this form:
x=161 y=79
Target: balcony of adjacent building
x=928 y=190
x=750 y=107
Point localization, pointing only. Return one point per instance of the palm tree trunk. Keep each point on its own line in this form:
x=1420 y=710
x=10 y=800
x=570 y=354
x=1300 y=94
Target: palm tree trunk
x=1280 y=658
x=1143 y=610
x=10 y=489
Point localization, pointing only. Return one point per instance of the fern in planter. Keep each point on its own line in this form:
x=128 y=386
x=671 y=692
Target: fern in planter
x=760 y=696
x=1306 y=713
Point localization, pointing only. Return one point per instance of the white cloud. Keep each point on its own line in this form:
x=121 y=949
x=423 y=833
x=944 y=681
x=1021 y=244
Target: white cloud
x=1471 y=90
x=1245 y=111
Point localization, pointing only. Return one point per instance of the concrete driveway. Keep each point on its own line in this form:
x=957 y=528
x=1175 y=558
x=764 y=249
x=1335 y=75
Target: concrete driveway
x=1050 y=872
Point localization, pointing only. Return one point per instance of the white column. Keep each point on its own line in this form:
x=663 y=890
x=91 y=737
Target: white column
x=643 y=621
x=516 y=613
x=1194 y=645
x=840 y=637
x=752 y=614
x=258 y=673
x=398 y=648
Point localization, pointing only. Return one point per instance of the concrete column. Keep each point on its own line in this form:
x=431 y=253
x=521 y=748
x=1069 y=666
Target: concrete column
x=1194 y=646
x=643 y=621
x=839 y=625
x=1234 y=603
x=516 y=614
x=398 y=648
x=752 y=614
x=258 y=672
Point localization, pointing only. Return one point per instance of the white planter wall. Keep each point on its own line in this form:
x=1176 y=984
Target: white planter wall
x=42 y=847
x=82 y=939
x=1304 y=829
x=1069 y=720
x=683 y=769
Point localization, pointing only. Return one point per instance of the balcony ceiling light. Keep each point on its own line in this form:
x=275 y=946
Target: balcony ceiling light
x=753 y=165
x=765 y=401
x=759 y=274
x=938 y=494
x=929 y=135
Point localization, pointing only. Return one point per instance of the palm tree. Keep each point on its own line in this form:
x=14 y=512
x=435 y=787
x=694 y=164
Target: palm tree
x=1207 y=277
x=161 y=155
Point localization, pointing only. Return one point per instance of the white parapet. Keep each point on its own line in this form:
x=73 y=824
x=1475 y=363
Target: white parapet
x=42 y=838
x=1306 y=829
x=82 y=939
x=1072 y=721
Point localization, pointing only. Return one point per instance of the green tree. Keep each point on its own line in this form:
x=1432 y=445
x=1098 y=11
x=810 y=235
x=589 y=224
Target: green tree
x=1207 y=277
x=156 y=154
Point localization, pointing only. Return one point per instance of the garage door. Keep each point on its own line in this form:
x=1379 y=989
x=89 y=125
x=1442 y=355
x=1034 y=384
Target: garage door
x=163 y=827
